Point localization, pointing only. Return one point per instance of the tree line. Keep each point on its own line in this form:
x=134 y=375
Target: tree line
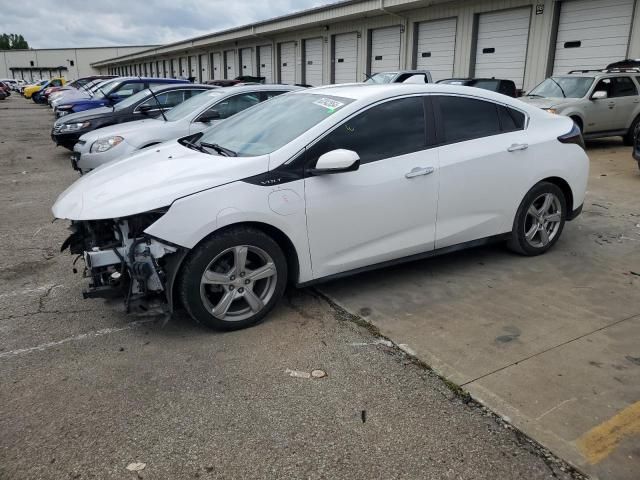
x=12 y=41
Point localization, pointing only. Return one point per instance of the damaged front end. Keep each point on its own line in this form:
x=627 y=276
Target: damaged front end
x=122 y=261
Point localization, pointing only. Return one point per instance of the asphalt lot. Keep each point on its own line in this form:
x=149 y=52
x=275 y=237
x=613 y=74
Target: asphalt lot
x=86 y=390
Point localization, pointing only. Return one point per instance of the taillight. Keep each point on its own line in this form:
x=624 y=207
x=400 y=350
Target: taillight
x=573 y=136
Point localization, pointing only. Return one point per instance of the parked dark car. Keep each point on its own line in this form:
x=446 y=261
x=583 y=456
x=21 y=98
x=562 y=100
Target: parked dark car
x=505 y=87
x=5 y=90
x=148 y=103
x=74 y=85
x=242 y=79
x=117 y=91
x=625 y=64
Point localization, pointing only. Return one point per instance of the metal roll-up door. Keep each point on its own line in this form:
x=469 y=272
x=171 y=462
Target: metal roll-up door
x=230 y=64
x=246 y=61
x=216 y=66
x=287 y=64
x=345 y=58
x=265 y=63
x=385 y=49
x=592 y=34
x=184 y=66
x=193 y=67
x=204 y=67
x=313 y=61
x=501 y=47
x=435 y=47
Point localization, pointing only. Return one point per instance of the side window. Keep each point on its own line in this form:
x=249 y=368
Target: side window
x=387 y=130
x=467 y=118
x=191 y=93
x=604 y=85
x=623 y=87
x=166 y=99
x=235 y=104
x=511 y=120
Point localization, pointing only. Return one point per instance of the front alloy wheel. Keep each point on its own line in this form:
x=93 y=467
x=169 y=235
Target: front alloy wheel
x=539 y=220
x=233 y=279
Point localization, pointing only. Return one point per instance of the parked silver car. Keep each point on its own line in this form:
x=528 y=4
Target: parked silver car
x=603 y=103
x=190 y=117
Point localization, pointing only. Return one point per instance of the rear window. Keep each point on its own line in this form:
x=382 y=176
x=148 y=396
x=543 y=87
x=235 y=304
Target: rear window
x=510 y=119
x=467 y=118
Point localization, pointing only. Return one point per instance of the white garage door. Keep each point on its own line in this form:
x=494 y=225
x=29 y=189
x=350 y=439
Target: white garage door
x=502 y=44
x=265 y=63
x=204 y=68
x=436 y=47
x=345 y=58
x=184 y=66
x=385 y=49
x=193 y=67
x=230 y=64
x=216 y=66
x=288 y=63
x=592 y=34
x=246 y=61
x=313 y=61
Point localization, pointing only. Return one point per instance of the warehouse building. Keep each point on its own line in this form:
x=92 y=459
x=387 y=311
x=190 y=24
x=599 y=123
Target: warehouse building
x=521 y=40
x=55 y=62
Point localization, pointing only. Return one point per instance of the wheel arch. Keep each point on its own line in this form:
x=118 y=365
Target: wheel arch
x=281 y=238
x=563 y=185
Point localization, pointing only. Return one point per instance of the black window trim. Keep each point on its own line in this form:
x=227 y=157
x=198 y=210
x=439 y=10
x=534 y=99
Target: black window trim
x=206 y=109
x=438 y=117
x=429 y=135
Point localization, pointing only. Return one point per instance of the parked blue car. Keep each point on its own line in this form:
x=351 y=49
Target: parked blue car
x=114 y=93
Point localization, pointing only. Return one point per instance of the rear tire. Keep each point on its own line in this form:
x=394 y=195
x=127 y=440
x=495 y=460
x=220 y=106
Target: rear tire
x=234 y=279
x=539 y=220
x=629 y=138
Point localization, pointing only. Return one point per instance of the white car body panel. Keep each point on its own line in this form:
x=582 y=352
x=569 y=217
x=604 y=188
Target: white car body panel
x=349 y=220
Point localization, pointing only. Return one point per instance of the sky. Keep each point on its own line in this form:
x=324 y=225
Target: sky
x=101 y=23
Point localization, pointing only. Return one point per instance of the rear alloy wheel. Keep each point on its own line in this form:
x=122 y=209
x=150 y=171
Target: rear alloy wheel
x=234 y=279
x=539 y=221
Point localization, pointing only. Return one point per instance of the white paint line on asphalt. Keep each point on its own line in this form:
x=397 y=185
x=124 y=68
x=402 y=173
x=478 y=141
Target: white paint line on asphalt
x=28 y=291
x=83 y=336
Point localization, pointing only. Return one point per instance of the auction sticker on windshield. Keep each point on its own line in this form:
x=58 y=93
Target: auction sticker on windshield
x=328 y=103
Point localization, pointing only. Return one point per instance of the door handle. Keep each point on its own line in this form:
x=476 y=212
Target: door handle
x=417 y=171
x=517 y=146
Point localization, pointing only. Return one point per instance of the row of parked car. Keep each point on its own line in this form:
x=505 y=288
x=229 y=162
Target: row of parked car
x=215 y=198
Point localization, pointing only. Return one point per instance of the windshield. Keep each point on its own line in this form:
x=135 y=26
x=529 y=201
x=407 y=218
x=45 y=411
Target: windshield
x=562 y=87
x=132 y=100
x=271 y=125
x=103 y=89
x=383 y=77
x=191 y=105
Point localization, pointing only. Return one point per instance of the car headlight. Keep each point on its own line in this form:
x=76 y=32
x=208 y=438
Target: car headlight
x=74 y=127
x=104 y=144
x=552 y=110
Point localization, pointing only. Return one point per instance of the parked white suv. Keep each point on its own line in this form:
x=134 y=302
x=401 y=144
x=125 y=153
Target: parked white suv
x=603 y=103
x=321 y=183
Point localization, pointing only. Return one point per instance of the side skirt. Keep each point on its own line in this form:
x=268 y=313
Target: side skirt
x=419 y=256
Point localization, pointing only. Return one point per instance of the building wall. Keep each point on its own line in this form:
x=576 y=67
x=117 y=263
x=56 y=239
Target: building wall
x=82 y=59
x=364 y=16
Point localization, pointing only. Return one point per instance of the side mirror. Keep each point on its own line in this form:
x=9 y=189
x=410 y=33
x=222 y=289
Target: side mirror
x=599 y=95
x=145 y=109
x=209 y=116
x=337 y=161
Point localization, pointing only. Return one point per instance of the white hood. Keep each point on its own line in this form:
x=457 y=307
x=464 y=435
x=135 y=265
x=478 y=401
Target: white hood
x=153 y=178
x=127 y=130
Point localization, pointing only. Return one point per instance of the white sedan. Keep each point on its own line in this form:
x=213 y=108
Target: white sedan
x=192 y=116
x=322 y=183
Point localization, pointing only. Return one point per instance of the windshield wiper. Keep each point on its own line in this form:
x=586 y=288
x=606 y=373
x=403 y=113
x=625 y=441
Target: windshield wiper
x=535 y=95
x=221 y=150
x=559 y=86
x=193 y=146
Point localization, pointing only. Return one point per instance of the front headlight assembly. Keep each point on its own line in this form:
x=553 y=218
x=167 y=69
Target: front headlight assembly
x=74 y=127
x=104 y=144
x=551 y=110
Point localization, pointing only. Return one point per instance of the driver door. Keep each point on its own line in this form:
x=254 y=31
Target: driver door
x=601 y=112
x=386 y=209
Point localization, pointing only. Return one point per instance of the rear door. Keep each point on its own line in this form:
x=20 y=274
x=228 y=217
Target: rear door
x=625 y=94
x=484 y=148
x=387 y=208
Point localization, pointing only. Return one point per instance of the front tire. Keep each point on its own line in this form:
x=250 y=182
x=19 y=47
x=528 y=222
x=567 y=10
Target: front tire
x=539 y=221
x=629 y=138
x=234 y=279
